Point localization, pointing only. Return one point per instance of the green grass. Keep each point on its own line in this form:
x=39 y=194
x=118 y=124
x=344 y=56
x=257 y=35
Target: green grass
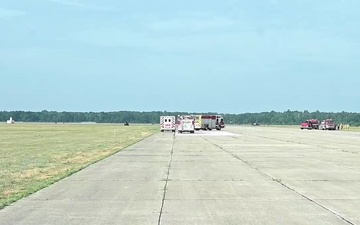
x=33 y=156
x=357 y=129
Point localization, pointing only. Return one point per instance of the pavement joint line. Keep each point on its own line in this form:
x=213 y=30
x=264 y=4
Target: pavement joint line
x=315 y=202
x=167 y=180
x=294 y=142
x=331 y=163
x=283 y=184
x=301 y=143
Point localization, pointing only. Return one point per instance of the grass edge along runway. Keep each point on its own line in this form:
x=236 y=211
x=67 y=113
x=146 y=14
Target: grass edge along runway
x=34 y=156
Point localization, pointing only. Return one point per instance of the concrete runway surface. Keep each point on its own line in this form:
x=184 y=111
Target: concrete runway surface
x=240 y=175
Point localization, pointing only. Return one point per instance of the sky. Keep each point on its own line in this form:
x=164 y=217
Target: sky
x=229 y=56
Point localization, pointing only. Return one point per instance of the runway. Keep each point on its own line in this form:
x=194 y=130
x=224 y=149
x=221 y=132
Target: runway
x=240 y=175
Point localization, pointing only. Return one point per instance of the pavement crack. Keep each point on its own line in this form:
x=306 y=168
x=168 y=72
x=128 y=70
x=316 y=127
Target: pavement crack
x=317 y=203
x=317 y=146
x=237 y=157
x=166 y=181
x=283 y=184
x=303 y=143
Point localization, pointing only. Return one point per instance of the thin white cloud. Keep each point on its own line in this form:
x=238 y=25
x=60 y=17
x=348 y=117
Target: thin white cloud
x=274 y=2
x=8 y=13
x=193 y=24
x=77 y=4
x=108 y=37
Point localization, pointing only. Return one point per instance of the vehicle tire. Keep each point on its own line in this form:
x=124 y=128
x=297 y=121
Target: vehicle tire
x=191 y=132
x=162 y=130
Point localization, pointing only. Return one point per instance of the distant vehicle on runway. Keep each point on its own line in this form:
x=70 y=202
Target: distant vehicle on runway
x=327 y=124
x=209 y=122
x=197 y=122
x=310 y=124
x=306 y=125
x=186 y=124
x=167 y=123
x=10 y=121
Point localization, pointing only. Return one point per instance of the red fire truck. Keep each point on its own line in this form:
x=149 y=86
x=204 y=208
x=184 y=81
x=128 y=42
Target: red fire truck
x=310 y=124
x=209 y=122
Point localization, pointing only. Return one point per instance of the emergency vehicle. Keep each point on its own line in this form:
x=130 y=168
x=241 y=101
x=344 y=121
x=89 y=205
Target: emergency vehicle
x=310 y=124
x=186 y=124
x=197 y=122
x=220 y=120
x=306 y=125
x=209 y=122
x=327 y=124
x=167 y=123
x=314 y=123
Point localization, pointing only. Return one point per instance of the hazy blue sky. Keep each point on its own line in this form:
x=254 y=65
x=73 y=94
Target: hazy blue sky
x=226 y=56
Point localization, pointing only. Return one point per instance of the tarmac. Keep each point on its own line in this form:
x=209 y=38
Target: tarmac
x=239 y=175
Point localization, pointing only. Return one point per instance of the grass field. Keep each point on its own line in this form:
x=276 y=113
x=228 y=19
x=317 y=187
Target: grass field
x=357 y=129
x=33 y=156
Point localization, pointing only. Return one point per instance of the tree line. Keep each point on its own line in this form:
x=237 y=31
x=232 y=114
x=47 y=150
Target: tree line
x=293 y=117
x=271 y=118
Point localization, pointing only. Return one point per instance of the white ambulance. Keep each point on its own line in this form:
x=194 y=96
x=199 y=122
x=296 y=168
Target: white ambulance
x=167 y=123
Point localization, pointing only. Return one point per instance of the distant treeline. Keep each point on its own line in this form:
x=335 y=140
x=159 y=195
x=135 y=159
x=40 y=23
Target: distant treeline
x=292 y=117
x=271 y=118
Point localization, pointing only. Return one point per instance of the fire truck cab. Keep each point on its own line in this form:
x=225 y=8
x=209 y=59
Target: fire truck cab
x=327 y=124
x=306 y=125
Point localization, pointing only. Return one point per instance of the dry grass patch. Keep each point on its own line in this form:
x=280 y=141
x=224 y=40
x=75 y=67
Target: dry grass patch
x=33 y=156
